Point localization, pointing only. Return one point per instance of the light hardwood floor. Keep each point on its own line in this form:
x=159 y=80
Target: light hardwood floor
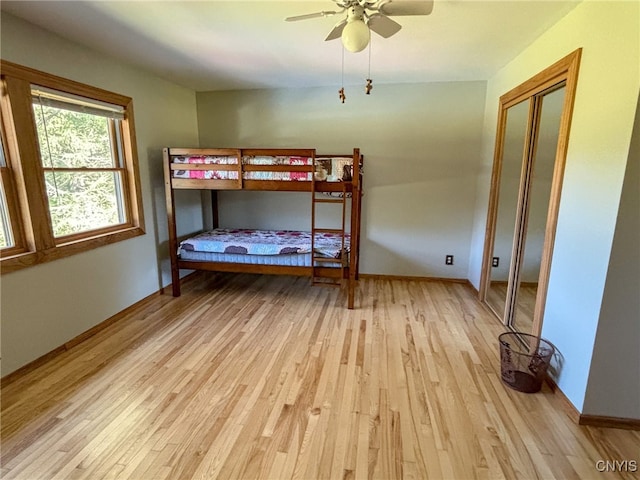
x=250 y=376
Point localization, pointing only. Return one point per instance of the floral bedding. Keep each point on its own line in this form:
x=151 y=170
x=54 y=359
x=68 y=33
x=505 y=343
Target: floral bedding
x=282 y=176
x=265 y=242
x=329 y=169
x=247 y=160
x=207 y=174
x=268 y=160
x=208 y=159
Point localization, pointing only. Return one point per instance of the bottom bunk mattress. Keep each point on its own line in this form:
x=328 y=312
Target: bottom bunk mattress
x=262 y=247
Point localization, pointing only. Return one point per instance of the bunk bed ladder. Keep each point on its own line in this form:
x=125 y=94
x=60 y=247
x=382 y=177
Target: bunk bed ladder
x=320 y=265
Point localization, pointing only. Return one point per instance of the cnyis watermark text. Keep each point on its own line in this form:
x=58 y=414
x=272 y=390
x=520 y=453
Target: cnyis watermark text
x=617 y=465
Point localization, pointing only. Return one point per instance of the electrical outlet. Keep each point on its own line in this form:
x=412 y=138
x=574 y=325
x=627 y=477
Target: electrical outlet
x=495 y=262
x=448 y=260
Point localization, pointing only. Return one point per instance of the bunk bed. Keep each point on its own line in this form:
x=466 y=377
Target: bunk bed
x=330 y=256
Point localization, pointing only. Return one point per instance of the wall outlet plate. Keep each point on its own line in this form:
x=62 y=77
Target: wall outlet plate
x=448 y=260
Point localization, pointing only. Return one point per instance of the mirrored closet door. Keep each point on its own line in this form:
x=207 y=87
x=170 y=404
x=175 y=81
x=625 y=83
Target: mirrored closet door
x=515 y=134
x=531 y=143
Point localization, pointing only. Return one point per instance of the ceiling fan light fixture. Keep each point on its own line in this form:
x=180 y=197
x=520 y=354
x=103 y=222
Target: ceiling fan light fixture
x=356 y=35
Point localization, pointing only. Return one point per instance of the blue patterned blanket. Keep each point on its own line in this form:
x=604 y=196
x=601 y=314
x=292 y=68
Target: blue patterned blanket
x=265 y=242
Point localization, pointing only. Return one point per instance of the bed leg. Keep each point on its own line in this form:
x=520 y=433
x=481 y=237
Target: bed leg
x=175 y=282
x=352 y=294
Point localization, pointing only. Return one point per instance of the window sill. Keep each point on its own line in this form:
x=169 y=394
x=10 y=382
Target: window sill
x=29 y=259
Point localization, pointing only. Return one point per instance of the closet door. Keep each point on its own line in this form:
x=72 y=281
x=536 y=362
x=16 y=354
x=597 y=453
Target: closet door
x=535 y=190
x=511 y=164
x=531 y=144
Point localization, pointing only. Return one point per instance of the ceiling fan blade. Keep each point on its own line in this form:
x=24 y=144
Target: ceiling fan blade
x=337 y=31
x=383 y=25
x=406 y=7
x=311 y=15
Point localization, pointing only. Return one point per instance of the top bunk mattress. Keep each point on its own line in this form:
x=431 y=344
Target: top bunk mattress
x=265 y=242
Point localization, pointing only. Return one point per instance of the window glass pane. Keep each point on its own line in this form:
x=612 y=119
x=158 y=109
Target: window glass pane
x=6 y=238
x=83 y=201
x=70 y=139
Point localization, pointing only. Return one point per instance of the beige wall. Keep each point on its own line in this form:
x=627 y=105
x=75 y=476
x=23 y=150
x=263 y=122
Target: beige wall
x=46 y=305
x=607 y=93
x=617 y=345
x=421 y=145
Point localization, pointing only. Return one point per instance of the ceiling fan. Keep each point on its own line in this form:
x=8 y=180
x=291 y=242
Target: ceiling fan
x=366 y=15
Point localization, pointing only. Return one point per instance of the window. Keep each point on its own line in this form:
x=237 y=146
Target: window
x=80 y=149
x=69 y=169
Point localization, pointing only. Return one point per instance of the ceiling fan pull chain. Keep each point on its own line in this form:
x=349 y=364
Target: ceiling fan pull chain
x=341 y=94
x=369 y=86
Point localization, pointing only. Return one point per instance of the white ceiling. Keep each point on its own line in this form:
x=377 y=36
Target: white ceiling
x=220 y=45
